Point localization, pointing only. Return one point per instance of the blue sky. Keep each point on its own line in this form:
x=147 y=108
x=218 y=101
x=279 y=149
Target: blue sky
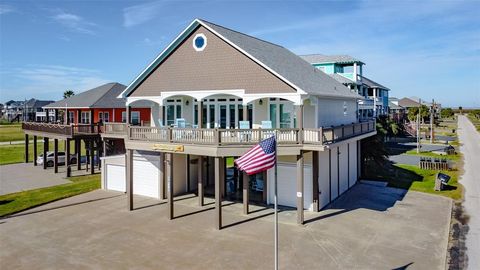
x=429 y=49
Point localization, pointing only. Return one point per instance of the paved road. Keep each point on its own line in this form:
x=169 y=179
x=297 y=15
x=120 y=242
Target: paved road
x=470 y=139
x=24 y=176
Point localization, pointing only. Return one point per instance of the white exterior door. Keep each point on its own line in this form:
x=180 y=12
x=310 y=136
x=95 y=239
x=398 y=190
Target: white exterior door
x=115 y=177
x=146 y=175
x=287 y=185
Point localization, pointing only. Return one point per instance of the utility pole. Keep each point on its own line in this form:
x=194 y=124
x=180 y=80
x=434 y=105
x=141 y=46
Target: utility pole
x=418 y=125
x=431 y=121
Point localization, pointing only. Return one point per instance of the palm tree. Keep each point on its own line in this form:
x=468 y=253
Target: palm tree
x=68 y=93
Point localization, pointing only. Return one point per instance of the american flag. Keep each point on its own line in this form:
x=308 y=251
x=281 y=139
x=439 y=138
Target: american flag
x=258 y=159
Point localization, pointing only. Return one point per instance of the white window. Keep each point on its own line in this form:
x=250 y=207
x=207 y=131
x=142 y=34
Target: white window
x=135 y=118
x=103 y=116
x=71 y=117
x=199 y=42
x=106 y=116
x=173 y=110
x=85 y=118
x=281 y=113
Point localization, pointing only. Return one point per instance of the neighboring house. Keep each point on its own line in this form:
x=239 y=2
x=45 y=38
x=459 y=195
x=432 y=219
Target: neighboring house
x=349 y=71
x=87 y=113
x=397 y=112
x=31 y=109
x=13 y=110
x=220 y=92
x=410 y=102
x=2 y=110
x=97 y=105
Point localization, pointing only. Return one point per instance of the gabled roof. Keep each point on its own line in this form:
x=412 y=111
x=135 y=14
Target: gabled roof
x=330 y=59
x=394 y=106
x=408 y=103
x=35 y=103
x=281 y=62
x=372 y=84
x=104 y=96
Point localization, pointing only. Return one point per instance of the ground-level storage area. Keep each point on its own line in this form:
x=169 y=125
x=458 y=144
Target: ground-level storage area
x=335 y=172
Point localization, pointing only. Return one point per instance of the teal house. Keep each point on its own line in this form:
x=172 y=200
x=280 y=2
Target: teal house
x=349 y=71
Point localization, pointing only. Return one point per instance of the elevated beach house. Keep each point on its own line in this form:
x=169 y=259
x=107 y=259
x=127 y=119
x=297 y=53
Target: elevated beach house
x=214 y=93
x=81 y=118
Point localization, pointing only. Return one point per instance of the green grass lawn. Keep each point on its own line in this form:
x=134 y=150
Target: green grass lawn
x=430 y=154
x=413 y=178
x=15 y=153
x=475 y=121
x=12 y=132
x=16 y=202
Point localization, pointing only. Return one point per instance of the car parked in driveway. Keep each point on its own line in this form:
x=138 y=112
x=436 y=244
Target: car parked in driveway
x=61 y=158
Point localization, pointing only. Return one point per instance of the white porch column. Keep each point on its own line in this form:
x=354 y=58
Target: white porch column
x=374 y=102
x=155 y=115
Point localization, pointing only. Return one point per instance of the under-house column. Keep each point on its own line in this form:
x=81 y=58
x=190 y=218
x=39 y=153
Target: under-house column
x=67 y=158
x=200 y=181
x=35 y=151
x=78 y=150
x=315 y=168
x=218 y=191
x=169 y=169
x=300 y=163
x=246 y=180
x=92 y=156
x=55 y=155
x=129 y=178
x=26 y=148
x=161 y=177
x=45 y=149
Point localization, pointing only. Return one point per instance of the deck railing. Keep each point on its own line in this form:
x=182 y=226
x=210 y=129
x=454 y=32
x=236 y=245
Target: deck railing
x=114 y=128
x=287 y=136
x=67 y=130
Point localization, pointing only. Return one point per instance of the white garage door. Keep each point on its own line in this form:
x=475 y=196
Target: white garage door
x=287 y=185
x=115 y=177
x=146 y=175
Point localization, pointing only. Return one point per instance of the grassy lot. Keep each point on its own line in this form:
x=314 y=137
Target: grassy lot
x=11 y=132
x=16 y=202
x=475 y=121
x=15 y=153
x=413 y=178
x=430 y=154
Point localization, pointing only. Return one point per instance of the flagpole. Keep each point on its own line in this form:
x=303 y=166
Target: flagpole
x=276 y=201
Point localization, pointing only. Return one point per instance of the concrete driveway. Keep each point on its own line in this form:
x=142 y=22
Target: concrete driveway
x=370 y=227
x=24 y=176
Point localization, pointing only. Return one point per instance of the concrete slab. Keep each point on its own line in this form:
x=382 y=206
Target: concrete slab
x=24 y=176
x=370 y=227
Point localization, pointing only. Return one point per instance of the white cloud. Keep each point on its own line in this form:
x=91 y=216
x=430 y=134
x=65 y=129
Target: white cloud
x=48 y=81
x=74 y=23
x=138 y=14
x=4 y=9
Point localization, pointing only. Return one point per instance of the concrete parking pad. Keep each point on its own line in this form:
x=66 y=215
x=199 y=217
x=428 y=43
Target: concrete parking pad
x=371 y=227
x=24 y=176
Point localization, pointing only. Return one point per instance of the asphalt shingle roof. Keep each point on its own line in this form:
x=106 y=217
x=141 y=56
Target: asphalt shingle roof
x=372 y=84
x=104 y=96
x=285 y=63
x=340 y=78
x=324 y=59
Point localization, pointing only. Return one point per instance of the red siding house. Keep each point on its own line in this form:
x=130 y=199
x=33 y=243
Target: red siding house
x=97 y=105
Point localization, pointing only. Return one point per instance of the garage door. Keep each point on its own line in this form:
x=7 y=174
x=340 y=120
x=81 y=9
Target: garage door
x=146 y=175
x=287 y=185
x=115 y=177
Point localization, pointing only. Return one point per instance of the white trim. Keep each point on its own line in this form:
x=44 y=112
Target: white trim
x=204 y=44
x=296 y=98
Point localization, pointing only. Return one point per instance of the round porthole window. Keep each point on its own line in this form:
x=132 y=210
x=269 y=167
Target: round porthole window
x=199 y=42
